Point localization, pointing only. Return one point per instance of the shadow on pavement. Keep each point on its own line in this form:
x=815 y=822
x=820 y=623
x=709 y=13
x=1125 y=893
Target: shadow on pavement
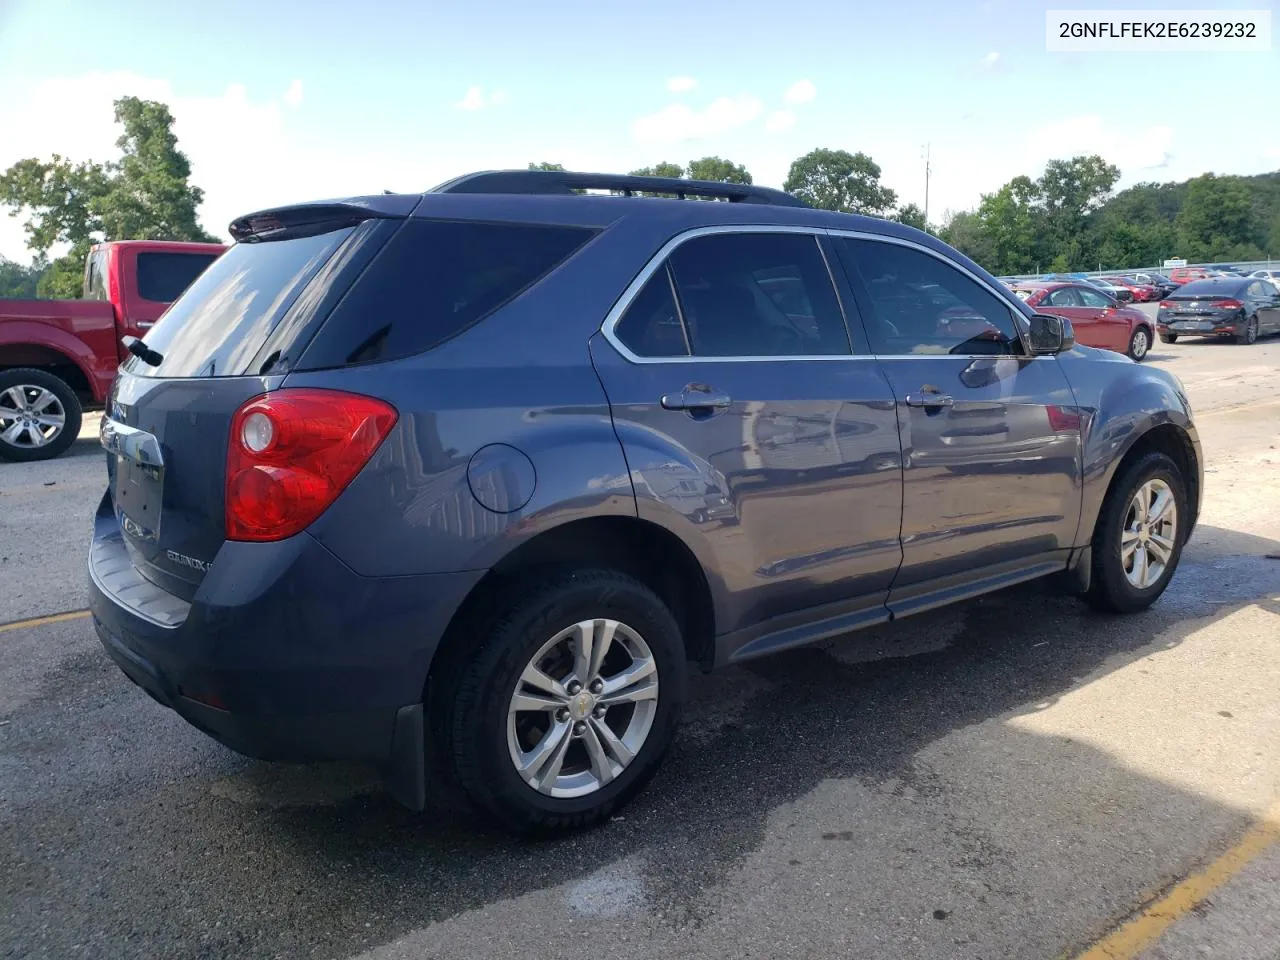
x=942 y=800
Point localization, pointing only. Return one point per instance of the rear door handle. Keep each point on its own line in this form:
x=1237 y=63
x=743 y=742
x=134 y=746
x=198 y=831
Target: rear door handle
x=930 y=400
x=146 y=324
x=697 y=399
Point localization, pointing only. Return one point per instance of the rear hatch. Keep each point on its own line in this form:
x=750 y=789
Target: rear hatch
x=230 y=337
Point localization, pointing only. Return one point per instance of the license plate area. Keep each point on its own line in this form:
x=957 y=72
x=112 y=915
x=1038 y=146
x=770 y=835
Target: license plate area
x=138 y=481
x=1191 y=326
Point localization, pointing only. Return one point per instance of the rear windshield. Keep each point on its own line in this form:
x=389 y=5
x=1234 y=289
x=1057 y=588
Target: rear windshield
x=434 y=279
x=163 y=276
x=1225 y=287
x=217 y=327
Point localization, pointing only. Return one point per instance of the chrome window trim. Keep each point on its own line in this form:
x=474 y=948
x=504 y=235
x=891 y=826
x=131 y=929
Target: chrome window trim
x=659 y=260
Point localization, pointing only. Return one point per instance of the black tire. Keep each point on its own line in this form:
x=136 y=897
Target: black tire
x=1168 y=338
x=1250 y=334
x=471 y=717
x=1139 y=344
x=72 y=415
x=1109 y=588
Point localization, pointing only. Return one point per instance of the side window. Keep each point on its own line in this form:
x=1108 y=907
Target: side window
x=1063 y=297
x=1255 y=290
x=922 y=305
x=162 y=277
x=95 y=281
x=758 y=295
x=1092 y=298
x=651 y=326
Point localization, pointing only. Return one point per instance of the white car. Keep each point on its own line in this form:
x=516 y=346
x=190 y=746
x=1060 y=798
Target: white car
x=1273 y=275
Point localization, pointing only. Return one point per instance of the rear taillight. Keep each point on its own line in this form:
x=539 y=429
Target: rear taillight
x=292 y=452
x=1063 y=419
x=1166 y=304
x=1229 y=305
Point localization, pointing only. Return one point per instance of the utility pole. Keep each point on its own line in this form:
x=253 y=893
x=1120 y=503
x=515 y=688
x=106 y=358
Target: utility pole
x=926 y=182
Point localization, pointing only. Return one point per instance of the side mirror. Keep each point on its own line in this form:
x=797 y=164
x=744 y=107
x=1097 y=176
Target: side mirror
x=1051 y=334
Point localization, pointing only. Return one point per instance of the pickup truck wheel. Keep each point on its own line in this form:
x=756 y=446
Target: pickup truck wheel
x=1139 y=536
x=39 y=415
x=567 y=703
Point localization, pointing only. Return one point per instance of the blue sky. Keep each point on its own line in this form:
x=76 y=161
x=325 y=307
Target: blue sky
x=283 y=101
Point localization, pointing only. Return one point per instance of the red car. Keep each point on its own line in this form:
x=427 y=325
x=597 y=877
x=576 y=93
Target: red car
x=1184 y=275
x=1098 y=320
x=1142 y=292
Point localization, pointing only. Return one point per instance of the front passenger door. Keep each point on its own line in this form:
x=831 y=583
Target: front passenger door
x=990 y=435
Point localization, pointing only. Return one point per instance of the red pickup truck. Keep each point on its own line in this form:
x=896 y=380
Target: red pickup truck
x=59 y=356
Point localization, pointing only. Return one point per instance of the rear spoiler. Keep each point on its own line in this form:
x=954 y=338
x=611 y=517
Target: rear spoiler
x=304 y=219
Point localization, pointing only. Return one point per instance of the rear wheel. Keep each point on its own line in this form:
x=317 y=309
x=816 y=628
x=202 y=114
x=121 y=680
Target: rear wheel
x=39 y=415
x=1139 y=536
x=1168 y=338
x=1139 y=344
x=1250 y=332
x=567 y=706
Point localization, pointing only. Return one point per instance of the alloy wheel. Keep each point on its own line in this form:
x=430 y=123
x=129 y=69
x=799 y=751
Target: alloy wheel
x=582 y=708
x=1149 y=534
x=30 y=416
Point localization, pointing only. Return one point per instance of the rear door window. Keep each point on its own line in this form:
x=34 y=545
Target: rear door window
x=651 y=326
x=163 y=276
x=758 y=295
x=434 y=279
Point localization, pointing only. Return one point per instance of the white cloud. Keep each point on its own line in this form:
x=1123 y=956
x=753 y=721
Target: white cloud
x=677 y=122
x=802 y=91
x=1130 y=150
x=474 y=100
x=780 y=120
x=477 y=99
x=990 y=60
x=681 y=84
x=293 y=96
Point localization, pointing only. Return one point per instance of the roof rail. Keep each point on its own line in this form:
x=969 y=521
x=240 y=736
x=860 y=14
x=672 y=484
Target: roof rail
x=564 y=182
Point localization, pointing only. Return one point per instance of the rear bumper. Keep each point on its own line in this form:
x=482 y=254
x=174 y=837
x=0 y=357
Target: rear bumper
x=284 y=653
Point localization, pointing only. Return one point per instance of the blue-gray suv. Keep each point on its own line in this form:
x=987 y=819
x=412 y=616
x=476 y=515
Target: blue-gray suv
x=461 y=483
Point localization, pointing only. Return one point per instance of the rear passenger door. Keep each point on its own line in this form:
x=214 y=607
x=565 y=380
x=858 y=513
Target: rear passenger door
x=990 y=435
x=755 y=427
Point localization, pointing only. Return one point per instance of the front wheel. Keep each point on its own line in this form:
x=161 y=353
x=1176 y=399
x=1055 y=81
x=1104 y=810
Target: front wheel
x=1250 y=334
x=1139 y=344
x=1139 y=536
x=39 y=415
x=570 y=701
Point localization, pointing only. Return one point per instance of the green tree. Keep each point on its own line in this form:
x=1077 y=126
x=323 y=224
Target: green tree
x=912 y=216
x=547 y=166
x=1071 y=193
x=1218 y=220
x=965 y=232
x=1012 y=223
x=145 y=194
x=839 y=180
x=664 y=169
x=19 y=281
x=719 y=170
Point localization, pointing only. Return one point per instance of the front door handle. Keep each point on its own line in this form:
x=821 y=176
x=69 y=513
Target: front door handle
x=697 y=399
x=929 y=398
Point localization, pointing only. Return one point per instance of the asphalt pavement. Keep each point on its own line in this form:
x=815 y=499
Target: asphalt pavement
x=1012 y=778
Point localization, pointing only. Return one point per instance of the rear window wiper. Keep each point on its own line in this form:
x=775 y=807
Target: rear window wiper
x=151 y=358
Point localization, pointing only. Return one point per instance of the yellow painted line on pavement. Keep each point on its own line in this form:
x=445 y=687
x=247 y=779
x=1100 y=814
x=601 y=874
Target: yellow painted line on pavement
x=1146 y=928
x=41 y=621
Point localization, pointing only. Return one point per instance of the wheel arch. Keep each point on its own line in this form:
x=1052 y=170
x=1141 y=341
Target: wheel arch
x=1175 y=441
x=53 y=360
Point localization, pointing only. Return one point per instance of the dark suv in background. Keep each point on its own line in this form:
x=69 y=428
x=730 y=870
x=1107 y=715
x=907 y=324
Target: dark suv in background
x=460 y=483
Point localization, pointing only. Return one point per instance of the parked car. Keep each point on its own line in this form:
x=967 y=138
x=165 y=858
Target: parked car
x=1239 y=307
x=1270 y=275
x=389 y=482
x=58 y=357
x=1114 y=290
x=1142 y=292
x=1184 y=275
x=1096 y=319
x=1164 y=285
